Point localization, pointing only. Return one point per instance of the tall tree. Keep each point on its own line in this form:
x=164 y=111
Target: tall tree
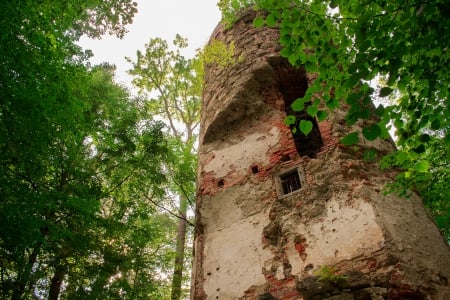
x=173 y=87
x=79 y=162
x=350 y=45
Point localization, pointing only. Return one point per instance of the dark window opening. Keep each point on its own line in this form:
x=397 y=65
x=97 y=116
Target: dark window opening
x=266 y=296
x=290 y=182
x=293 y=84
x=255 y=169
x=221 y=183
x=285 y=158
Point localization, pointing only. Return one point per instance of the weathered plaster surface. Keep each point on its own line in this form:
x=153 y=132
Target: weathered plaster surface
x=224 y=251
x=342 y=233
x=252 y=148
x=234 y=204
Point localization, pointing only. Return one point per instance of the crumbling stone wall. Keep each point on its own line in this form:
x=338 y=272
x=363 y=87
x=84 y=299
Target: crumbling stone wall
x=336 y=237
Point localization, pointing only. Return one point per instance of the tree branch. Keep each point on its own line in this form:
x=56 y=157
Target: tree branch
x=168 y=211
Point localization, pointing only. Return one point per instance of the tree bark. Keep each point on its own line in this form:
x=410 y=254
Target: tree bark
x=24 y=276
x=177 y=279
x=56 y=282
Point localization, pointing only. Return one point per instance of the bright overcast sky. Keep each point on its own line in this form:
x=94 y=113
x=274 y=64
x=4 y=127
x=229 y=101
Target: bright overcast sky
x=193 y=19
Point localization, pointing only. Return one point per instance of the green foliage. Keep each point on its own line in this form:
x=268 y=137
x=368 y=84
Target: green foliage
x=79 y=162
x=305 y=126
x=372 y=132
x=349 y=44
x=290 y=120
x=386 y=91
x=231 y=9
x=217 y=52
x=328 y=274
x=258 y=22
x=426 y=173
x=370 y=155
x=173 y=80
x=350 y=139
x=298 y=104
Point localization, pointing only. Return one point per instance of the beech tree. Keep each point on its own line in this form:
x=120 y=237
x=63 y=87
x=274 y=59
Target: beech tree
x=172 y=87
x=354 y=45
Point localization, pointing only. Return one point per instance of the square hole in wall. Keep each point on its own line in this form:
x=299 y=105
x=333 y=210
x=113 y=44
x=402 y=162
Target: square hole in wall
x=289 y=182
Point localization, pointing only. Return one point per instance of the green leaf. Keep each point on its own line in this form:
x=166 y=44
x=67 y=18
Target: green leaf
x=419 y=149
x=322 y=115
x=332 y=103
x=285 y=40
x=369 y=155
x=293 y=59
x=286 y=52
x=306 y=126
x=289 y=120
x=447 y=138
x=424 y=138
x=386 y=91
x=364 y=113
x=350 y=139
x=312 y=110
x=401 y=157
x=320 y=22
x=271 y=21
x=436 y=125
x=258 y=22
x=352 y=81
x=333 y=4
x=422 y=166
x=351 y=118
x=353 y=98
x=379 y=111
x=372 y=132
x=398 y=123
x=298 y=104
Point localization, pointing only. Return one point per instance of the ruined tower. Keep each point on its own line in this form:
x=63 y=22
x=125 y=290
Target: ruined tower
x=284 y=216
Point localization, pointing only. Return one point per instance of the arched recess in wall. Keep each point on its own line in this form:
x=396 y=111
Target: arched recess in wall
x=292 y=83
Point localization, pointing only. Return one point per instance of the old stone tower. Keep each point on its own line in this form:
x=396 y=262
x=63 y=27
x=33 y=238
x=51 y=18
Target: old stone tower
x=283 y=216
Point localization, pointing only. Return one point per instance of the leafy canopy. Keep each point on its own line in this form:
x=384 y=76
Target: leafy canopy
x=80 y=162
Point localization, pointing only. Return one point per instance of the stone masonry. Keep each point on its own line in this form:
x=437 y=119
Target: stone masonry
x=281 y=216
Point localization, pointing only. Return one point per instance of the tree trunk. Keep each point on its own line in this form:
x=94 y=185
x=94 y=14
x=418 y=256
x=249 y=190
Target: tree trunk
x=56 y=282
x=23 y=278
x=18 y=291
x=177 y=279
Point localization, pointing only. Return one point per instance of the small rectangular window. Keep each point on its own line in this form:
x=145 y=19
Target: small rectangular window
x=290 y=182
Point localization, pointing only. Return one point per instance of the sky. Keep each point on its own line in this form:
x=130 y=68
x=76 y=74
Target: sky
x=192 y=19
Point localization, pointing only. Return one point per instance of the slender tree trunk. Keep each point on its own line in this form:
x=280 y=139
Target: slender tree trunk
x=56 y=282
x=18 y=291
x=23 y=278
x=179 y=252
